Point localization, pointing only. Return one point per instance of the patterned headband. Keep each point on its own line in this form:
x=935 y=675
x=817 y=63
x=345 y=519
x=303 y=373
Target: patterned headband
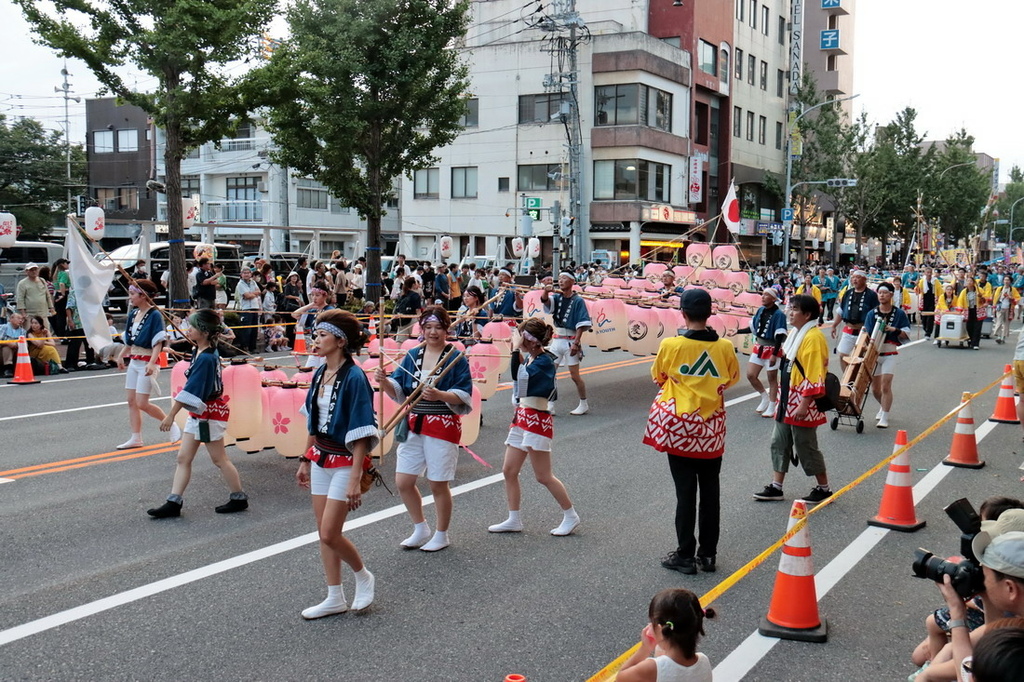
x=529 y=337
x=431 y=318
x=135 y=289
x=331 y=329
x=194 y=321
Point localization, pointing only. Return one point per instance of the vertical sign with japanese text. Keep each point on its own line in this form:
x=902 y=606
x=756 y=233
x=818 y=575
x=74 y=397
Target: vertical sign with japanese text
x=696 y=186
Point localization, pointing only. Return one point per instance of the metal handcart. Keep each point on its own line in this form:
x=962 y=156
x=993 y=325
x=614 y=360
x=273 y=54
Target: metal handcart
x=856 y=382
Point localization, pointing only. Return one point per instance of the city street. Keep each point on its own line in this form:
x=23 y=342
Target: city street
x=91 y=588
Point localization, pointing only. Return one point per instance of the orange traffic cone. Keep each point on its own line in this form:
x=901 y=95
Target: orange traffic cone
x=23 y=370
x=897 y=508
x=793 y=613
x=300 y=340
x=372 y=327
x=1006 y=408
x=161 y=360
x=963 y=452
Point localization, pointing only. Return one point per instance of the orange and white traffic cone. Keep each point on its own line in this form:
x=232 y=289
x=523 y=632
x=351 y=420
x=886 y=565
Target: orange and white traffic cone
x=161 y=360
x=1006 y=408
x=372 y=325
x=23 y=369
x=300 y=340
x=963 y=452
x=514 y=678
x=897 y=508
x=793 y=613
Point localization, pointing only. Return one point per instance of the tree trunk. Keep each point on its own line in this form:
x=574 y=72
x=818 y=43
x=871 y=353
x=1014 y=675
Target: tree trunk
x=178 y=294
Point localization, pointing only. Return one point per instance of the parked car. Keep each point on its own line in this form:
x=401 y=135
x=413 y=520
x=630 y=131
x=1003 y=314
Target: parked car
x=14 y=259
x=229 y=255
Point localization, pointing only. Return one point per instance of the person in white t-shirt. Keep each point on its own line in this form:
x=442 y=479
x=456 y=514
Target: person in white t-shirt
x=668 y=644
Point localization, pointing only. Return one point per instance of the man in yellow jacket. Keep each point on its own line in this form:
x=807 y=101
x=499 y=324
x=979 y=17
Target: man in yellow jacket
x=802 y=379
x=687 y=422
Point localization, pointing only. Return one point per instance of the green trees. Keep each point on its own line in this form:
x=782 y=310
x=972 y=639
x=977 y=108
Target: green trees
x=187 y=46
x=957 y=190
x=33 y=174
x=362 y=92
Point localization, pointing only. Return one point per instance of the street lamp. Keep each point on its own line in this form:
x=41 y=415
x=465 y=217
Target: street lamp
x=789 y=167
x=956 y=165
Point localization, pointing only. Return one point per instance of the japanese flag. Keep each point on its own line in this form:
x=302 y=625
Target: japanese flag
x=731 y=210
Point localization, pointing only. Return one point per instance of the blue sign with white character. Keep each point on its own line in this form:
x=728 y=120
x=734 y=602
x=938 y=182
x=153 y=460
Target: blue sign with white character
x=787 y=215
x=831 y=4
x=830 y=39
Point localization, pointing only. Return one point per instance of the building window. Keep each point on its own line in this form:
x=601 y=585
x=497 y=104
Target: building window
x=632 y=180
x=708 y=58
x=750 y=126
x=106 y=198
x=752 y=14
x=762 y=129
x=739 y=64
x=426 y=183
x=471 y=119
x=189 y=185
x=464 y=183
x=339 y=208
x=737 y=122
x=701 y=116
x=782 y=30
x=751 y=68
x=778 y=135
x=723 y=64
x=311 y=194
x=740 y=7
x=503 y=184
x=243 y=139
x=127 y=199
x=631 y=104
x=541 y=178
x=128 y=140
x=192 y=153
x=764 y=76
x=540 y=108
x=103 y=142
x=242 y=199
x=833 y=22
x=780 y=82
x=830 y=63
x=765 y=15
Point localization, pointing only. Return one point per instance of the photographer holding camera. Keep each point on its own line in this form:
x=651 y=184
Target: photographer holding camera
x=993 y=566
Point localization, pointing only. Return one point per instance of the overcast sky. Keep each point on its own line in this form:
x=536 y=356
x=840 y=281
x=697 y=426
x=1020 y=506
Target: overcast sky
x=948 y=59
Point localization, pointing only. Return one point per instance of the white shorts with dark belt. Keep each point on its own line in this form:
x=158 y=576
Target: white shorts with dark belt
x=135 y=378
x=561 y=348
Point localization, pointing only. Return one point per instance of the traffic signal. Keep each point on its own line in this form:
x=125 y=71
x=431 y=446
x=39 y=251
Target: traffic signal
x=841 y=182
x=268 y=45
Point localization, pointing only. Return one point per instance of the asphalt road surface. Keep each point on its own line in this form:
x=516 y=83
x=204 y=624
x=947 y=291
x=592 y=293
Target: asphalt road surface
x=92 y=589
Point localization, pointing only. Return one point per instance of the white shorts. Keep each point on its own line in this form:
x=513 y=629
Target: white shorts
x=771 y=363
x=217 y=428
x=886 y=364
x=521 y=439
x=220 y=298
x=561 y=348
x=419 y=454
x=331 y=482
x=847 y=342
x=135 y=378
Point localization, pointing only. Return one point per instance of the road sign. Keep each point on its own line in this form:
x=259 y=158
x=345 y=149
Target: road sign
x=533 y=202
x=787 y=215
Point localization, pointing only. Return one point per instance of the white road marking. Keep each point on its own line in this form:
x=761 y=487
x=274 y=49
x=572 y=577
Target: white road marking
x=743 y=658
x=120 y=599
x=75 y=409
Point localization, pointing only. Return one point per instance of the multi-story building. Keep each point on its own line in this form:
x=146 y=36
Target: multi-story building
x=828 y=42
x=760 y=94
x=119 y=157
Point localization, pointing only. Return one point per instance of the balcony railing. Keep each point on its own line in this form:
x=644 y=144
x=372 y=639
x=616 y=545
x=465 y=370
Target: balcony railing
x=240 y=211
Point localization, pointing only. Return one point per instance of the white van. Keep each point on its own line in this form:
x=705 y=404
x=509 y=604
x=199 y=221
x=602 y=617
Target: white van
x=14 y=259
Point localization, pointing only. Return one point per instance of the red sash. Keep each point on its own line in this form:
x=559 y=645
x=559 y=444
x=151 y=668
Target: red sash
x=216 y=410
x=447 y=427
x=534 y=421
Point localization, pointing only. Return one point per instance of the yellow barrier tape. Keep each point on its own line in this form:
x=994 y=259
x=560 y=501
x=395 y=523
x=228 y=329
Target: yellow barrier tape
x=611 y=670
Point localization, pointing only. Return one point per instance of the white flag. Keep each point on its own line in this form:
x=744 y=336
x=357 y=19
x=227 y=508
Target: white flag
x=90 y=280
x=731 y=210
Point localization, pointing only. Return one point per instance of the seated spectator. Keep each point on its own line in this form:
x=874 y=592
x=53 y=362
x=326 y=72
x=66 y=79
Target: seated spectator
x=42 y=347
x=10 y=332
x=276 y=339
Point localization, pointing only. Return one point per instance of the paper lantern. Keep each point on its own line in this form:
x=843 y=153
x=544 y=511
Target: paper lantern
x=613 y=283
x=698 y=255
x=722 y=298
x=654 y=270
x=533 y=247
x=726 y=257
x=532 y=307
x=267 y=375
x=518 y=247
x=600 y=291
x=8 y=230
x=445 y=245
x=287 y=426
x=95 y=224
x=641 y=330
x=609 y=323
x=713 y=278
x=738 y=281
x=485 y=367
x=242 y=390
x=471 y=421
x=204 y=251
x=716 y=323
x=670 y=321
x=500 y=334
x=749 y=301
x=683 y=274
x=261 y=438
x=189 y=211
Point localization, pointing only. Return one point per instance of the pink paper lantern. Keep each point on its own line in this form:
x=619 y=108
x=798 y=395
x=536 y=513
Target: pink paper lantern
x=726 y=257
x=715 y=322
x=738 y=281
x=609 y=323
x=655 y=270
x=288 y=434
x=485 y=361
x=471 y=421
x=261 y=438
x=242 y=391
x=698 y=255
x=641 y=330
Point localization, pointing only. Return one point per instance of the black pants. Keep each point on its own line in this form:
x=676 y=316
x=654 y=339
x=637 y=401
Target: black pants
x=689 y=475
x=246 y=335
x=826 y=308
x=974 y=326
x=74 y=344
x=928 y=321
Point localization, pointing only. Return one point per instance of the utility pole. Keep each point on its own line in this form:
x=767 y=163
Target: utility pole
x=65 y=90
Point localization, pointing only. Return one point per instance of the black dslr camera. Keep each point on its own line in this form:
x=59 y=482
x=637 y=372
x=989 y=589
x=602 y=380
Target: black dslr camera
x=966 y=576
